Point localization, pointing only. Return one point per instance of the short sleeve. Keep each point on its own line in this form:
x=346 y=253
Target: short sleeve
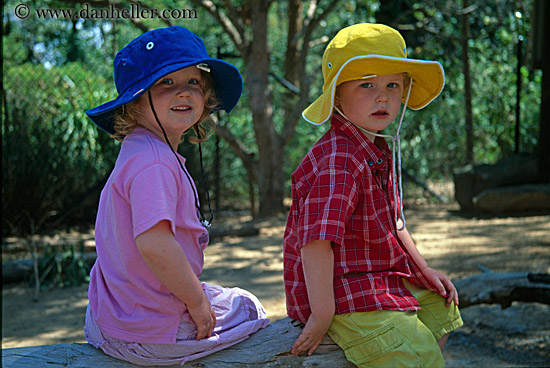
x=153 y=197
x=327 y=207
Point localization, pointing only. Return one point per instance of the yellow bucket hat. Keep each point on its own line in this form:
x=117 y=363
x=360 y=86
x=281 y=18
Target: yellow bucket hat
x=367 y=50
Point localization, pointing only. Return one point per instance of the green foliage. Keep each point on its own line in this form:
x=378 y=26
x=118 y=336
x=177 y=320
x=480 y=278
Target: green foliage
x=51 y=153
x=433 y=139
x=62 y=266
x=54 y=158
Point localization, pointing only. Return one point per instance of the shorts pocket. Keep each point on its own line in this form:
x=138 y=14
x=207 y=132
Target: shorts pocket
x=373 y=346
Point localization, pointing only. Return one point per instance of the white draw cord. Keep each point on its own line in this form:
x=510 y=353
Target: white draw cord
x=396 y=166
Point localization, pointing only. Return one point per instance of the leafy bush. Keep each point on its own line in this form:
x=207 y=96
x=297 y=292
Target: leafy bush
x=62 y=266
x=52 y=155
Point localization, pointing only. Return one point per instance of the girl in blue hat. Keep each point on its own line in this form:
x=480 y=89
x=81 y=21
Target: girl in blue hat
x=147 y=305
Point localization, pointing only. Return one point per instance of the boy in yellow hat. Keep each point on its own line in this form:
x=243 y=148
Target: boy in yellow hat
x=350 y=266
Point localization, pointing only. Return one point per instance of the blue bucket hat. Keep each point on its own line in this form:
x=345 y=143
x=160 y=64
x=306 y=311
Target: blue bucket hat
x=157 y=53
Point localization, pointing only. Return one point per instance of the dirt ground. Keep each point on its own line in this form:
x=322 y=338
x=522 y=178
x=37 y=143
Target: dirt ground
x=455 y=243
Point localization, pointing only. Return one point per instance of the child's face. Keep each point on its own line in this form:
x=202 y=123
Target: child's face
x=371 y=103
x=178 y=99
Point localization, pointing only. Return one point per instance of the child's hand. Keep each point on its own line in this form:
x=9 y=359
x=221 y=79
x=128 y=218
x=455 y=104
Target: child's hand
x=311 y=336
x=444 y=286
x=204 y=317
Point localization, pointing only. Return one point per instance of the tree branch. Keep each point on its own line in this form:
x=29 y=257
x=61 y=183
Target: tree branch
x=239 y=39
x=311 y=22
x=237 y=19
x=235 y=144
x=318 y=41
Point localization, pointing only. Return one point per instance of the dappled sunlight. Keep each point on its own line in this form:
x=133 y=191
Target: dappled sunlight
x=253 y=263
x=273 y=231
x=57 y=317
x=450 y=242
x=461 y=245
x=59 y=336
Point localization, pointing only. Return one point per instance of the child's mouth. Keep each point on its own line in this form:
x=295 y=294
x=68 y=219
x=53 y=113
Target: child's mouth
x=380 y=114
x=181 y=108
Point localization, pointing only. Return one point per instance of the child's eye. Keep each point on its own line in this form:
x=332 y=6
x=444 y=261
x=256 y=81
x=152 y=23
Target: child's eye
x=194 y=82
x=366 y=85
x=393 y=85
x=166 y=81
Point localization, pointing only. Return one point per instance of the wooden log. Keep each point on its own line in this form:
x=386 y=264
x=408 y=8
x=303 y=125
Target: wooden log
x=244 y=229
x=269 y=347
x=16 y=270
x=21 y=269
x=503 y=288
x=61 y=355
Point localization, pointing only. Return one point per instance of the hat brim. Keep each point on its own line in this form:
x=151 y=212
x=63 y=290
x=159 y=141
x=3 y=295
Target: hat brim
x=227 y=83
x=428 y=77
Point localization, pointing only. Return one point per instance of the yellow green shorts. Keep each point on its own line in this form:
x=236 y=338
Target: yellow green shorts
x=390 y=338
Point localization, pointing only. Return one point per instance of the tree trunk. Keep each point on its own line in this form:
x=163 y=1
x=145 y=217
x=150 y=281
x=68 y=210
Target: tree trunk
x=544 y=120
x=246 y=25
x=467 y=83
x=270 y=150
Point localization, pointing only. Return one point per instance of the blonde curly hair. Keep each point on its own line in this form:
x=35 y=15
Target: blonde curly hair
x=127 y=116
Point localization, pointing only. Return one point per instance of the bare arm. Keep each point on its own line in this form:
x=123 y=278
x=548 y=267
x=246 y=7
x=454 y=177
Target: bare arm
x=441 y=281
x=318 y=264
x=165 y=258
x=411 y=247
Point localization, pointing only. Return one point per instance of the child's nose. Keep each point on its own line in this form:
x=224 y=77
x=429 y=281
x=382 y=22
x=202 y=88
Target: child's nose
x=382 y=95
x=184 y=90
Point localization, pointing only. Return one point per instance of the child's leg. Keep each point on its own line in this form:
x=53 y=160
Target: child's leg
x=443 y=341
x=439 y=318
x=234 y=307
x=238 y=314
x=386 y=339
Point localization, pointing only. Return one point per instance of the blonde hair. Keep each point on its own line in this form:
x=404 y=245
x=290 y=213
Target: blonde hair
x=127 y=116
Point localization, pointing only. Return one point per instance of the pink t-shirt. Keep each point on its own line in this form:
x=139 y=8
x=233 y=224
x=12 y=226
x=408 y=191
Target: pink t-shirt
x=146 y=186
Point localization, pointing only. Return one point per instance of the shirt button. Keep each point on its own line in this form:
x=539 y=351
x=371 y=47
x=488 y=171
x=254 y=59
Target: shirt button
x=379 y=161
x=370 y=162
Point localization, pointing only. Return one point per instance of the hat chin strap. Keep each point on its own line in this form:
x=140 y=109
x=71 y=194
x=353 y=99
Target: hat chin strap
x=204 y=222
x=396 y=167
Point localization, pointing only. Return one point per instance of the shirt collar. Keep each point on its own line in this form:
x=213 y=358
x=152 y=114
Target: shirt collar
x=376 y=154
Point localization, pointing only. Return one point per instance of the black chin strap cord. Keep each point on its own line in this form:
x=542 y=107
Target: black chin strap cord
x=205 y=223
x=205 y=181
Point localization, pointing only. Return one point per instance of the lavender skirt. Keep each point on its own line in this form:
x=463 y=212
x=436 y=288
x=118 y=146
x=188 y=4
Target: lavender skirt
x=239 y=314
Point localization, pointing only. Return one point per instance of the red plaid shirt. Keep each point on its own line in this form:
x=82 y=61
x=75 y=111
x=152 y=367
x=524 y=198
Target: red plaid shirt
x=342 y=192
